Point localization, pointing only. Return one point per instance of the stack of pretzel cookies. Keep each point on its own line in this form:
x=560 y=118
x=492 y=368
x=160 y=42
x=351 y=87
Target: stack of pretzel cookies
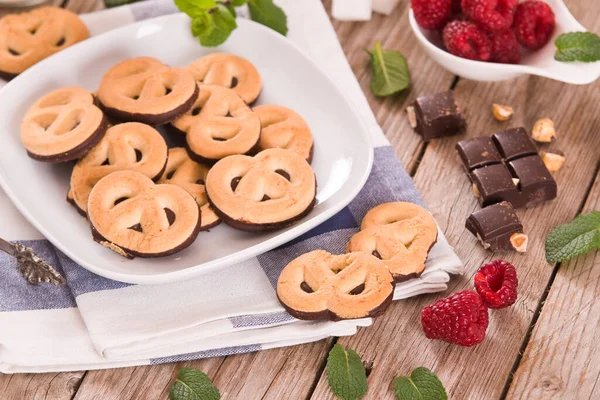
x=249 y=167
x=391 y=247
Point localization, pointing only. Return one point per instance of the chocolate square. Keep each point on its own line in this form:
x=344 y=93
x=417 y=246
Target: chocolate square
x=494 y=226
x=478 y=152
x=535 y=181
x=438 y=115
x=514 y=143
x=495 y=184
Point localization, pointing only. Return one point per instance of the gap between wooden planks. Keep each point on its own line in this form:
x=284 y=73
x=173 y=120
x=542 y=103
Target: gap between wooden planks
x=291 y=371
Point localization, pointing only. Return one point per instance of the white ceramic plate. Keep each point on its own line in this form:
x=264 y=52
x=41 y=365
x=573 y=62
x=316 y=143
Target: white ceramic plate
x=342 y=154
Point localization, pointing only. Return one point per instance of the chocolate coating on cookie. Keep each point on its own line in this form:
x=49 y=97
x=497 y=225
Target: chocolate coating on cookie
x=62 y=126
x=133 y=216
x=130 y=146
x=319 y=285
x=29 y=37
x=230 y=71
x=145 y=90
x=268 y=191
x=184 y=172
x=219 y=124
x=399 y=233
x=283 y=128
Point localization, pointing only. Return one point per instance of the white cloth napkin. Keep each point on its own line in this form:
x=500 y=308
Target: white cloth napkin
x=95 y=323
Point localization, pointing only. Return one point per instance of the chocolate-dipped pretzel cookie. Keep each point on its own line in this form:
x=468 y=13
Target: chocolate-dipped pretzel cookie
x=283 y=128
x=184 y=172
x=219 y=124
x=129 y=146
x=135 y=217
x=29 y=37
x=265 y=192
x=229 y=71
x=62 y=126
x=143 y=89
x=399 y=233
x=320 y=285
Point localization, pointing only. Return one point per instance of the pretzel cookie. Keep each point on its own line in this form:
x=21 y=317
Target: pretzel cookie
x=265 y=192
x=401 y=234
x=229 y=71
x=129 y=146
x=184 y=172
x=320 y=285
x=62 y=126
x=29 y=37
x=143 y=89
x=219 y=124
x=284 y=128
x=135 y=217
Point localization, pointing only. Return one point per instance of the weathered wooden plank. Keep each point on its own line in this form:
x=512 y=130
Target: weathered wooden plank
x=396 y=343
x=145 y=382
x=84 y=6
x=55 y=386
x=562 y=359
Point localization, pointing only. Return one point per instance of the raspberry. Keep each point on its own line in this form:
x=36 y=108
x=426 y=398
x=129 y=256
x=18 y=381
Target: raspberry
x=461 y=318
x=491 y=15
x=466 y=40
x=432 y=14
x=496 y=282
x=505 y=48
x=534 y=24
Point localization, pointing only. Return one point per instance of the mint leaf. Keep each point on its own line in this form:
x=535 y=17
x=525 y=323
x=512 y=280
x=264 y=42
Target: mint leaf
x=574 y=239
x=214 y=27
x=577 y=46
x=266 y=13
x=238 y=3
x=193 y=384
x=390 y=73
x=194 y=8
x=421 y=385
x=346 y=374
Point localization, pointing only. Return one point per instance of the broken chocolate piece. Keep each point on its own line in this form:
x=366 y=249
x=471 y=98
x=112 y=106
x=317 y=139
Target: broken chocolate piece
x=498 y=228
x=507 y=167
x=438 y=115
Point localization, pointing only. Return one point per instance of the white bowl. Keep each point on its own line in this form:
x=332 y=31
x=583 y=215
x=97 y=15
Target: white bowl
x=540 y=62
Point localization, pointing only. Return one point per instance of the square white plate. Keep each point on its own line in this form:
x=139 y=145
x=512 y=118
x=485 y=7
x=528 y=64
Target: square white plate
x=342 y=150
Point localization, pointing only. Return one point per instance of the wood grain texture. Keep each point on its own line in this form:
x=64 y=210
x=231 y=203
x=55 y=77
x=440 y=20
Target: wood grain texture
x=426 y=77
x=51 y=386
x=144 y=382
x=84 y=6
x=562 y=359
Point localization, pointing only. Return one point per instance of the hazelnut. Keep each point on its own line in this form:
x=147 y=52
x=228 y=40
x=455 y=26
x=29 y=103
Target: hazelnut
x=519 y=242
x=516 y=181
x=475 y=191
x=502 y=113
x=412 y=117
x=543 y=130
x=553 y=159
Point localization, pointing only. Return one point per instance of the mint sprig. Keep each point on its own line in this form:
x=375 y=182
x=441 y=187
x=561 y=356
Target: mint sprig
x=346 y=374
x=574 y=239
x=193 y=384
x=390 y=72
x=577 y=46
x=422 y=384
x=214 y=20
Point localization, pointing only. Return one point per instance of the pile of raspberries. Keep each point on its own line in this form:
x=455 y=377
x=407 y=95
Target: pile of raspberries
x=487 y=30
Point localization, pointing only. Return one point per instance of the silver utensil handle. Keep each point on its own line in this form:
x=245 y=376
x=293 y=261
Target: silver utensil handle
x=7 y=247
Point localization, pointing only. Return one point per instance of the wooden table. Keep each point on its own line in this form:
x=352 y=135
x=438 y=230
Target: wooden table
x=544 y=347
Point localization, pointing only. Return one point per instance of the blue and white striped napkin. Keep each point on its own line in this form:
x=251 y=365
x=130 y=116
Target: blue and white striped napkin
x=95 y=323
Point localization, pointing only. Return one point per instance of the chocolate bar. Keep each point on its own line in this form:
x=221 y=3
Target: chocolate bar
x=436 y=115
x=507 y=167
x=498 y=228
